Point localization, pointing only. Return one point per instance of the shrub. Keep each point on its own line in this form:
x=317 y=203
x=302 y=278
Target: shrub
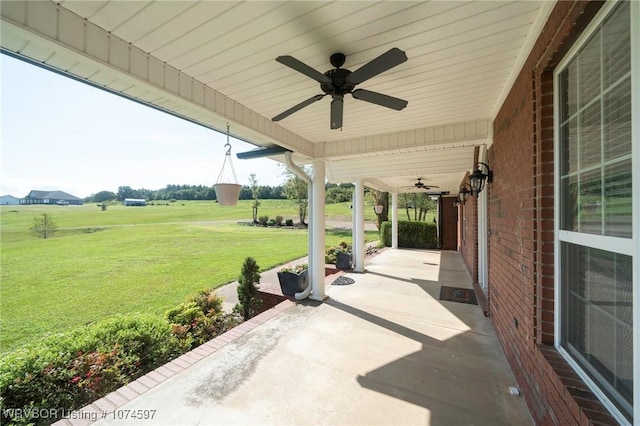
x=69 y=370
x=271 y=222
x=263 y=220
x=247 y=290
x=280 y=220
x=421 y=235
x=199 y=320
x=289 y=222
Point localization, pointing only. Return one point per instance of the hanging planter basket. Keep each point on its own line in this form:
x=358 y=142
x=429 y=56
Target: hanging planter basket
x=227 y=193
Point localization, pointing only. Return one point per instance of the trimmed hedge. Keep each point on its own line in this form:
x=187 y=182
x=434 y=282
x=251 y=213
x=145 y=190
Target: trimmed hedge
x=420 y=235
x=68 y=370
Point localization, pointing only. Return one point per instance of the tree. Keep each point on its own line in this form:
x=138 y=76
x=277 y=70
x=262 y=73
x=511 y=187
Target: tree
x=295 y=189
x=381 y=199
x=125 y=192
x=247 y=290
x=421 y=204
x=44 y=226
x=101 y=197
x=254 y=193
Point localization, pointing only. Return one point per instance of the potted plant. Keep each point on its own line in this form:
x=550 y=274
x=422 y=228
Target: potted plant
x=293 y=279
x=340 y=255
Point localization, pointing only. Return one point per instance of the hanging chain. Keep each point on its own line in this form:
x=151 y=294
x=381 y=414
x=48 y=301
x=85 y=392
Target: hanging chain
x=227 y=158
x=228 y=144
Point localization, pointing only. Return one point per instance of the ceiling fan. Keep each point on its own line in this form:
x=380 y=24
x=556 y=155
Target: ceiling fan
x=340 y=81
x=420 y=185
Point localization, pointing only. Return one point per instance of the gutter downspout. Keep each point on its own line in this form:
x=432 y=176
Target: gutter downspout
x=302 y=175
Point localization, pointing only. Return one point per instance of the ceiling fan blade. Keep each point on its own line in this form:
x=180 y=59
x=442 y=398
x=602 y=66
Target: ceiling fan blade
x=386 y=61
x=337 y=105
x=380 y=99
x=297 y=107
x=303 y=68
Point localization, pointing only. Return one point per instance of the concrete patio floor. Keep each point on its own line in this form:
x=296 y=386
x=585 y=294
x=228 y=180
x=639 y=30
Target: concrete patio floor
x=383 y=350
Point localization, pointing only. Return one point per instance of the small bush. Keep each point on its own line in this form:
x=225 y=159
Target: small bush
x=247 y=290
x=271 y=222
x=69 y=370
x=199 y=320
x=263 y=220
x=289 y=222
x=421 y=235
x=279 y=220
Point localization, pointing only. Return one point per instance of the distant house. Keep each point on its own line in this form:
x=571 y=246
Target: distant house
x=51 y=197
x=9 y=200
x=134 y=202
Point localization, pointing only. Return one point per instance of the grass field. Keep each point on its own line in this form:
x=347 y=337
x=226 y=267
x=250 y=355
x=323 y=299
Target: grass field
x=132 y=259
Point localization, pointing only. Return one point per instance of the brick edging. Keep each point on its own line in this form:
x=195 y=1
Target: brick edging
x=118 y=398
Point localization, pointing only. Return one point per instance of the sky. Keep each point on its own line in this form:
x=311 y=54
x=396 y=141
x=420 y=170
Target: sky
x=60 y=134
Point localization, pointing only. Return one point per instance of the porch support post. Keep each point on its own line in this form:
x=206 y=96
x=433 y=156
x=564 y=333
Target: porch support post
x=394 y=220
x=316 y=233
x=358 y=231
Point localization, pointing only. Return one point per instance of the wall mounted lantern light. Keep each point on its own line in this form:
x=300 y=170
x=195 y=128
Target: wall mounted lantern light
x=478 y=178
x=378 y=208
x=465 y=192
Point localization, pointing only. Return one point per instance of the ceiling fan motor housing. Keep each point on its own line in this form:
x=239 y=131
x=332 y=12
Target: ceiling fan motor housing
x=339 y=84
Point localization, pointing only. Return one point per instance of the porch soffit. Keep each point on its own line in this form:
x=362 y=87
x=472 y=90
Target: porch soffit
x=213 y=62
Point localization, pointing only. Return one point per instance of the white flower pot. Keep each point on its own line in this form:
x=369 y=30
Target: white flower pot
x=227 y=193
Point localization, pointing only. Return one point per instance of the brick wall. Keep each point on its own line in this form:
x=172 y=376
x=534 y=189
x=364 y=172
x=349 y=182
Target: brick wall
x=521 y=256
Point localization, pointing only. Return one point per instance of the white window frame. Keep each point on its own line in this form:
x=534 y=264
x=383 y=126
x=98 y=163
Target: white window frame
x=630 y=247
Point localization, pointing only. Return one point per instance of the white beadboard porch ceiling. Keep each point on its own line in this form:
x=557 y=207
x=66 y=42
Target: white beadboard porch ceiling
x=463 y=57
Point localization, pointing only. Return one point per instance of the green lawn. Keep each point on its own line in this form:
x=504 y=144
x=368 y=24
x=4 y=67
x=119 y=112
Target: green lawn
x=131 y=259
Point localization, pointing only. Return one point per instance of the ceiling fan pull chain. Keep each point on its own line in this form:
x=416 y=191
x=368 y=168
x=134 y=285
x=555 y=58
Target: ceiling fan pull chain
x=227 y=158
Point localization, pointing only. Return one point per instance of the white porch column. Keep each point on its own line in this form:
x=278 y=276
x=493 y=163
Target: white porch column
x=358 y=230
x=316 y=232
x=394 y=220
x=354 y=229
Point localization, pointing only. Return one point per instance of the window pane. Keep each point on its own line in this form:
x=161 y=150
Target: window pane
x=590 y=202
x=570 y=145
x=597 y=319
x=617 y=45
x=569 y=81
x=569 y=203
x=589 y=71
x=590 y=136
x=618 y=200
x=617 y=121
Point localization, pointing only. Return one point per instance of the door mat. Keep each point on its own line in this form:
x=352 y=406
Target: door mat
x=457 y=294
x=343 y=281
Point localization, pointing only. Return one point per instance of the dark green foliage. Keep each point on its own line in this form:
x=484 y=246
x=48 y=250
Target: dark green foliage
x=338 y=193
x=101 y=197
x=247 y=290
x=199 y=320
x=263 y=220
x=192 y=192
x=289 y=222
x=421 y=235
x=279 y=220
x=69 y=370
